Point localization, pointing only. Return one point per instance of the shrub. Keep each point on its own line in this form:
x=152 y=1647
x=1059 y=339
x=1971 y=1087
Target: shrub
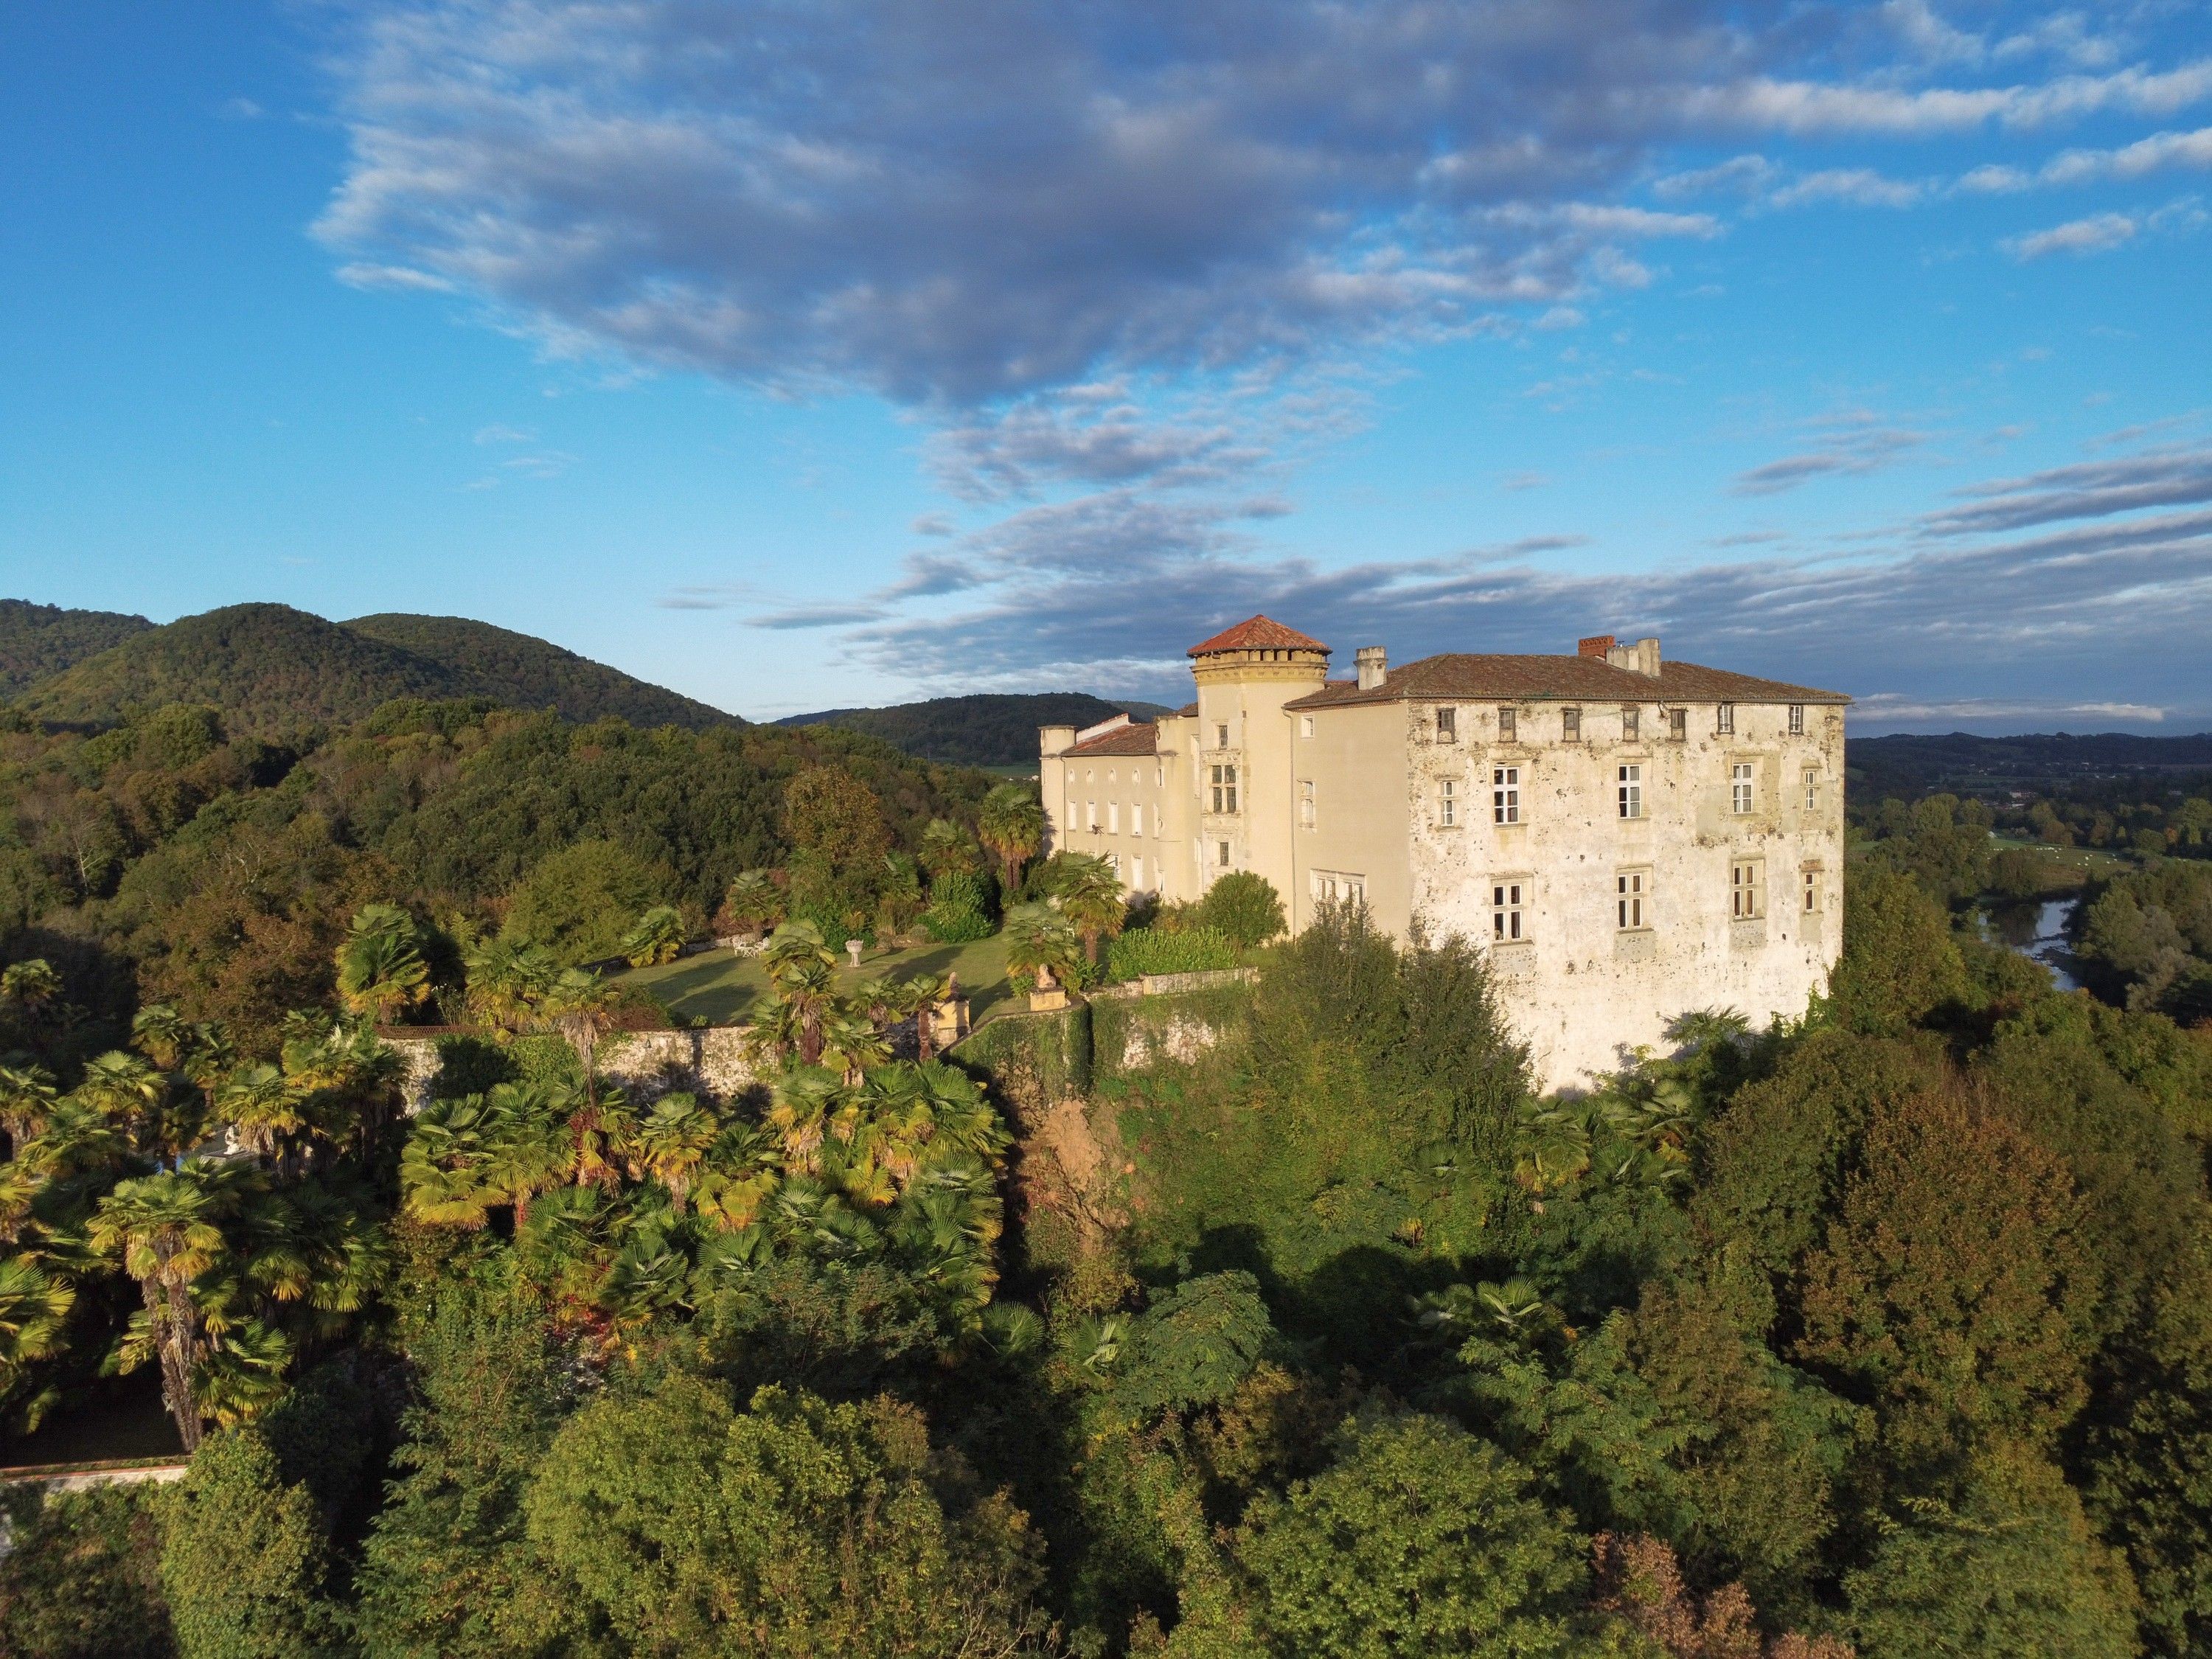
x=1151 y=951
x=81 y=1581
x=1244 y=907
x=2020 y=874
x=959 y=908
x=579 y=902
x=955 y=926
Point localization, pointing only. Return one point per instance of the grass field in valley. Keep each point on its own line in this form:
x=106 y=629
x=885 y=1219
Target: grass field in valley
x=724 y=988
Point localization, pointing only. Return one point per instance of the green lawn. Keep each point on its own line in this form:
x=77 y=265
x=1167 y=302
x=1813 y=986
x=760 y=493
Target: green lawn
x=723 y=987
x=2089 y=860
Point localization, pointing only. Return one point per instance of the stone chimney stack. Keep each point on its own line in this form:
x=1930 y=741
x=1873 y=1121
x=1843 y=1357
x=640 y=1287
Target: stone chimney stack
x=1054 y=740
x=1641 y=657
x=1374 y=666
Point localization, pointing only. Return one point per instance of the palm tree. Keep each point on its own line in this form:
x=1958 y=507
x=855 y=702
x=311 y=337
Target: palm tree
x=163 y=1034
x=1011 y=823
x=1090 y=894
x=32 y=986
x=918 y=997
x=507 y=981
x=580 y=1005
x=33 y=1305
x=1040 y=942
x=800 y=1107
x=163 y=1228
x=442 y=1178
x=851 y=1042
x=753 y=903
x=658 y=937
x=669 y=1144
x=263 y=1110
x=528 y=1151
x=26 y=1098
x=380 y=966
x=948 y=849
x=122 y=1088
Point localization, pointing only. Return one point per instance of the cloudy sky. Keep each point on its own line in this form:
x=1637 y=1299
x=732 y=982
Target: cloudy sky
x=796 y=354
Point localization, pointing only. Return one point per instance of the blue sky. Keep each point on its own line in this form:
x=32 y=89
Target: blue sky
x=797 y=355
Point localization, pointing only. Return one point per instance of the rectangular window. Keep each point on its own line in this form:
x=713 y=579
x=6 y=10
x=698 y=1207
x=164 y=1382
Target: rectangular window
x=1505 y=794
x=1221 y=737
x=1508 y=726
x=1136 y=817
x=1114 y=862
x=1570 y=726
x=1506 y=912
x=1136 y=869
x=1678 y=725
x=1447 y=726
x=1305 y=725
x=1630 y=895
x=1630 y=798
x=1740 y=787
x=1113 y=817
x=1744 y=902
x=1306 y=803
x=1091 y=815
x=1724 y=719
x=1072 y=820
x=1224 y=789
x=1797 y=719
x=1632 y=724
x=1812 y=790
x=1811 y=901
x=1447 y=802
x=1223 y=859
x=1355 y=889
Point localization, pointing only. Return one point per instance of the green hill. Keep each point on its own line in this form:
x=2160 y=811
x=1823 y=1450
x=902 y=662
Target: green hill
x=529 y=673
x=269 y=668
x=39 y=641
x=988 y=729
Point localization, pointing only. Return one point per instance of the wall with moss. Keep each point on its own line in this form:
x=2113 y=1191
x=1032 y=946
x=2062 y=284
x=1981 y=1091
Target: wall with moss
x=1030 y=1060
x=1134 y=1034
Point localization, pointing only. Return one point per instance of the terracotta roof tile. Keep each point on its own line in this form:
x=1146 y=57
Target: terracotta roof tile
x=1262 y=633
x=1138 y=738
x=1479 y=678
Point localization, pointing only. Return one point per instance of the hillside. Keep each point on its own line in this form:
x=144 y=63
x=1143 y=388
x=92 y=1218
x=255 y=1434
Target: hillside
x=530 y=673
x=1909 y=764
x=39 y=641
x=988 y=729
x=270 y=668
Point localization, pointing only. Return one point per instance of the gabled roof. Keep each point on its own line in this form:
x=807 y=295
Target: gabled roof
x=1479 y=678
x=1261 y=633
x=1137 y=738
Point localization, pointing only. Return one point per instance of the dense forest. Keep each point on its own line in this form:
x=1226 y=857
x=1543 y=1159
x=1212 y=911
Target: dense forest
x=1881 y=1332
x=275 y=671
x=39 y=641
x=986 y=729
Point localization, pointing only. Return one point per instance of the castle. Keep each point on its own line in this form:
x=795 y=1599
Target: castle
x=1632 y=839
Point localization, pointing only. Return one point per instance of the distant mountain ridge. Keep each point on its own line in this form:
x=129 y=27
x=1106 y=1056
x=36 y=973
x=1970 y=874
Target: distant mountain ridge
x=985 y=729
x=39 y=641
x=1906 y=763
x=270 y=668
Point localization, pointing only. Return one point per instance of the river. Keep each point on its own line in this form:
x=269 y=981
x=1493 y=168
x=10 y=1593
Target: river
x=2038 y=931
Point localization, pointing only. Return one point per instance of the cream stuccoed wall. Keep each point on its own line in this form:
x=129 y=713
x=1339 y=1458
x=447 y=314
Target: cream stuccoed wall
x=1133 y=808
x=1241 y=696
x=1581 y=990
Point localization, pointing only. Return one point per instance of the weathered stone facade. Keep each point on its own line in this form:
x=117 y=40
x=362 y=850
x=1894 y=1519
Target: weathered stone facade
x=1631 y=839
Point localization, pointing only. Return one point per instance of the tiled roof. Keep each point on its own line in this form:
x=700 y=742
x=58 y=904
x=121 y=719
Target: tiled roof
x=1262 y=633
x=1474 y=678
x=1188 y=712
x=1138 y=738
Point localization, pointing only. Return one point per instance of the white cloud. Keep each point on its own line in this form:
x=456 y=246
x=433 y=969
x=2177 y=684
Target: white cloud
x=2099 y=233
x=1858 y=186
x=401 y=278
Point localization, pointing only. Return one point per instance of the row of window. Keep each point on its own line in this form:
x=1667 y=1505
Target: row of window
x=1570 y=723
x=1633 y=911
x=1505 y=794
x=1136 y=777
x=1089 y=817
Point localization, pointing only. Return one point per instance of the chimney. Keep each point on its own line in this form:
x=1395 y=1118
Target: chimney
x=1054 y=740
x=1595 y=646
x=1641 y=657
x=1374 y=666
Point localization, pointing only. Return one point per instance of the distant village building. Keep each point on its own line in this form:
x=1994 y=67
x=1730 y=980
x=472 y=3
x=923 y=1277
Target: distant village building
x=1633 y=839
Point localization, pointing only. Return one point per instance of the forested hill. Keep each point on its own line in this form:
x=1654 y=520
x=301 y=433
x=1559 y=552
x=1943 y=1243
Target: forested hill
x=39 y=641
x=988 y=729
x=528 y=672
x=269 y=668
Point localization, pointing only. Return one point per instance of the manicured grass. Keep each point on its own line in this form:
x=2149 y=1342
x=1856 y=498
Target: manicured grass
x=724 y=988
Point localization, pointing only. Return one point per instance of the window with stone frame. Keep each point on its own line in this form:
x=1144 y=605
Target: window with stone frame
x=1508 y=910
x=1741 y=778
x=1447 y=725
x=1632 y=723
x=1629 y=798
x=1632 y=891
x=1508 y=726
x=1224 y=789
x=1505 y=794
x=1570 y=726
x=1746 y=889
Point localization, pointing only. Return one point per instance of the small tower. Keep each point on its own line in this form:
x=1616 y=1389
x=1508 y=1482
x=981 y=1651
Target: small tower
x=1245 y=675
